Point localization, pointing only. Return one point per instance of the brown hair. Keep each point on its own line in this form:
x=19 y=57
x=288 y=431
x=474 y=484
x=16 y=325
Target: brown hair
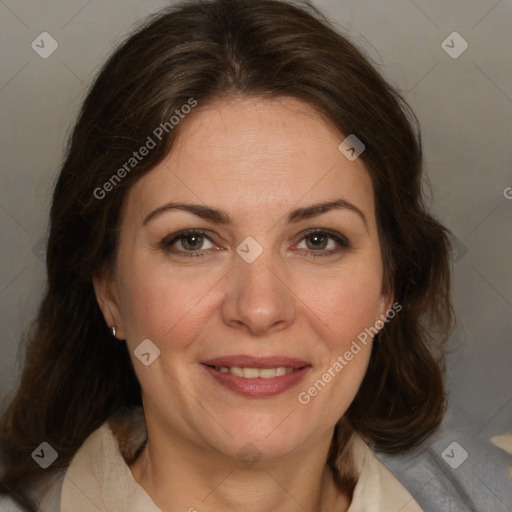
x=76 y=374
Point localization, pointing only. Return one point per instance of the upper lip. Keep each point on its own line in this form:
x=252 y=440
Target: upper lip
x=243 y=361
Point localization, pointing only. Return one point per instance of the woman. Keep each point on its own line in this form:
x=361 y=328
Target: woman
x=246 y=297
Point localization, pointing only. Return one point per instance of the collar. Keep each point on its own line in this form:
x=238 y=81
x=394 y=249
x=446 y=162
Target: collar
x=99 y=476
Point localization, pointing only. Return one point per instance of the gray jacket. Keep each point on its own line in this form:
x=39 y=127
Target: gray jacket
x=456 y=471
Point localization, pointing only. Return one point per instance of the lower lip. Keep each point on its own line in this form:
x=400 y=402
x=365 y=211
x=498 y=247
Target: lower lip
x=258 y=387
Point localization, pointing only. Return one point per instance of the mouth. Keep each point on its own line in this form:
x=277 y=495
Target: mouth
x=256 y=377
x=255 y=373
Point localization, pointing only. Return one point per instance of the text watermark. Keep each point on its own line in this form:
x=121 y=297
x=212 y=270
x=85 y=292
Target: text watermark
x=304 y=397
x=144 y=150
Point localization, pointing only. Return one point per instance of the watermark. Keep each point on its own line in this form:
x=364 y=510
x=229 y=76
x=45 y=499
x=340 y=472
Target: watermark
x=39 y=249
x=454 y=455
x=507 y=193
x=304 y=397
x=150 y=143
x=454 y=45
x=45 y=455
x=249 y=454
x=351 y=147
x=44 y=45
x=146 y=352
x=458 y=249
x=249 y=249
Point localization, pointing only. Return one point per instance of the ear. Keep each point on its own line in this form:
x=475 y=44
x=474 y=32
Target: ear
x=386 y=303
x=107 y=298
x=387 y=308
x=387 y=298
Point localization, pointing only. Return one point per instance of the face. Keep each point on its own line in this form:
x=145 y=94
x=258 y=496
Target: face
x=231 y=269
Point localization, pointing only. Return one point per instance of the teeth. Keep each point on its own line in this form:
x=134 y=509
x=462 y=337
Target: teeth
x=237 y=371
x=269 y=373
x=250 y=373
x=281 y=371
x=254 y=373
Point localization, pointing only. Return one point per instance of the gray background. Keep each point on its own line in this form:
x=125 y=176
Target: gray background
x=464 y=105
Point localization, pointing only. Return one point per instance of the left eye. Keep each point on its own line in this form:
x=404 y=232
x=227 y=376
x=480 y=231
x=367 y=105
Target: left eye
x=319 y=241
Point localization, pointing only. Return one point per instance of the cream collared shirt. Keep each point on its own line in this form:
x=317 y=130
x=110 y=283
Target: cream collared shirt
x=99 y=479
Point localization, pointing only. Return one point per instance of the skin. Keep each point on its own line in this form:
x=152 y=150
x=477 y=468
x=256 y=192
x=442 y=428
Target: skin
x=257 y=160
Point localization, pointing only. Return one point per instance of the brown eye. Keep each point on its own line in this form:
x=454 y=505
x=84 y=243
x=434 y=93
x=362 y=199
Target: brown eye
x=323 y=243
x=187 y=242
x=316 y=241
x=192 y=242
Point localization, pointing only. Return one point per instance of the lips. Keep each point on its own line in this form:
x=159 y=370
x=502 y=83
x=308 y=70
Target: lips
x=257 y=376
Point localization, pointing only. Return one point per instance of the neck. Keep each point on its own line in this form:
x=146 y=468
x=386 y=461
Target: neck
x=179 y=475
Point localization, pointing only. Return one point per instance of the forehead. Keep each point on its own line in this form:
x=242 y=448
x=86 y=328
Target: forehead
x=253 y=155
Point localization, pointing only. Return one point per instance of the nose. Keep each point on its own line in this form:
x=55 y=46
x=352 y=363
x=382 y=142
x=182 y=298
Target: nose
x=259 y=299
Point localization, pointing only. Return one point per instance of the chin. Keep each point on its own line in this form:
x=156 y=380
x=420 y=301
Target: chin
x=269 y=438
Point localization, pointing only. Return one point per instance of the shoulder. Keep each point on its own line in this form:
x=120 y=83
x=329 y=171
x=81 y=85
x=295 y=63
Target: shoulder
x=46 y=495
x=8 y=504
x=455 y=469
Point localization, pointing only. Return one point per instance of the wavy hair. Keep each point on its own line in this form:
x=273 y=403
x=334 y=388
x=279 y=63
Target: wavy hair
x=76 y=375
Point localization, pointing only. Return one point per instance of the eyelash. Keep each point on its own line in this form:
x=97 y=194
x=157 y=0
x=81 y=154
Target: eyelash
x=167 y=243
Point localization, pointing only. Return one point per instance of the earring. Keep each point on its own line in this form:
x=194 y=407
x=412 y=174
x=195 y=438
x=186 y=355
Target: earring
x=113 y=329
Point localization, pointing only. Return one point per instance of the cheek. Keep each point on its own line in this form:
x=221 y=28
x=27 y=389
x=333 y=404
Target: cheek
x=346 y=301
x=344 y=311
x=162 y=304
x=167 y=304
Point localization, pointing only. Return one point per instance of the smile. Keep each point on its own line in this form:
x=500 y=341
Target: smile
x=256 y=377
x=256 y=373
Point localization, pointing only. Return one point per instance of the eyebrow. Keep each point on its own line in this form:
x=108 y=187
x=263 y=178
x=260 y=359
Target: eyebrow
x=295 y=216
